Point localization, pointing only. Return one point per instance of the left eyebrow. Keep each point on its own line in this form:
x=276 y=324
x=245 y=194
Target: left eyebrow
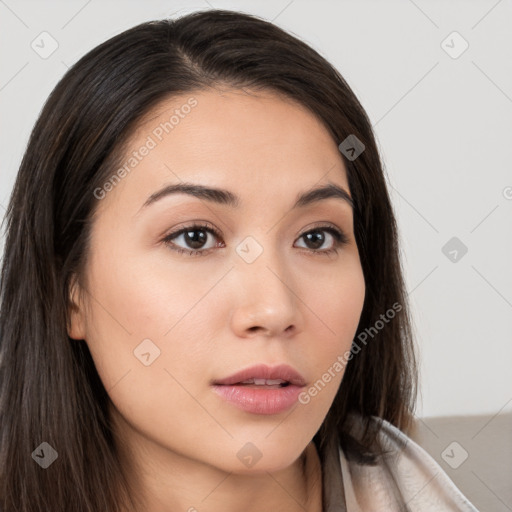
x=323 y=192
x=225 y=197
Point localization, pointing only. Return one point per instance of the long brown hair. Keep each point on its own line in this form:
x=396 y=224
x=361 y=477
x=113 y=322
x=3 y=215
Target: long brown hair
x=50 y=390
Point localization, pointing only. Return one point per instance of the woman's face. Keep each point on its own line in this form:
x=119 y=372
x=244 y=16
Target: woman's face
x=163 y=325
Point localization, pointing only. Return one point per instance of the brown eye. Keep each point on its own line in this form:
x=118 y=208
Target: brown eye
x=316 y=238
x=193 y=239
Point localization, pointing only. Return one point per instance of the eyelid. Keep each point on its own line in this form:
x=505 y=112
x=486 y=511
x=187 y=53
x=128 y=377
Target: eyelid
x=198 y=224
x=323 y=225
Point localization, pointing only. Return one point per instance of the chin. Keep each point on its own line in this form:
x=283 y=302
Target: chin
x=260 y=458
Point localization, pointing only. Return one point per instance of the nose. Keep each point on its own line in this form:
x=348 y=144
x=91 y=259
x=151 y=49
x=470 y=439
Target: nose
x=265 y=303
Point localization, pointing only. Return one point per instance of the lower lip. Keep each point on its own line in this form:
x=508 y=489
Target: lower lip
x=260 y=401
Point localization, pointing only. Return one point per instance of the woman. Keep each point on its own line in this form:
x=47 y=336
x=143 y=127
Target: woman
x=202 y=300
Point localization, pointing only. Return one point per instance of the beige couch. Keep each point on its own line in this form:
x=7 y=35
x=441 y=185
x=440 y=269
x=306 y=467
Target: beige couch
x=476 y=453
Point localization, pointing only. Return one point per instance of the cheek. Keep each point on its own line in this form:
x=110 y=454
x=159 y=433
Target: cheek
x=337 y=310
x=149 y=344
x=336 y=300
x=144 y=296
x=151 y=322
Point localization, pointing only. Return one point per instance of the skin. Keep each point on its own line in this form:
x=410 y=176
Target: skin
x=215 y=314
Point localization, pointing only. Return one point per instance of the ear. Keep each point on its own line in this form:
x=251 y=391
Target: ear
x=76 y=311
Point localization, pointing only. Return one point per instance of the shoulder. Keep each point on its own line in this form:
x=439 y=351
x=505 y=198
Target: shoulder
x=400 y=476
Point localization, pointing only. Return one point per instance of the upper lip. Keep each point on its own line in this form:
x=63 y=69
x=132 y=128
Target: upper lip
x=263 y=371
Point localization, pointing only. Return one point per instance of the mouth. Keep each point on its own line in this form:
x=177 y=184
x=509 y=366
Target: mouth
x=261 y=389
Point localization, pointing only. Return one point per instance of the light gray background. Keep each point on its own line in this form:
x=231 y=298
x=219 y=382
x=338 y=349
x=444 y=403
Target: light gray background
x=444 y=126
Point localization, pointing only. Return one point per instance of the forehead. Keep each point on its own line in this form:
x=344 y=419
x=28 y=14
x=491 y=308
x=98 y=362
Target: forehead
x=240 y=140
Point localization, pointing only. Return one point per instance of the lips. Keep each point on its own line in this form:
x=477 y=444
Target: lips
x=261 y=389
x=262 y=374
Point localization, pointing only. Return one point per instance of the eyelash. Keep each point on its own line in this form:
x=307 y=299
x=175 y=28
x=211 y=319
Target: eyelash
x=339 y=236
